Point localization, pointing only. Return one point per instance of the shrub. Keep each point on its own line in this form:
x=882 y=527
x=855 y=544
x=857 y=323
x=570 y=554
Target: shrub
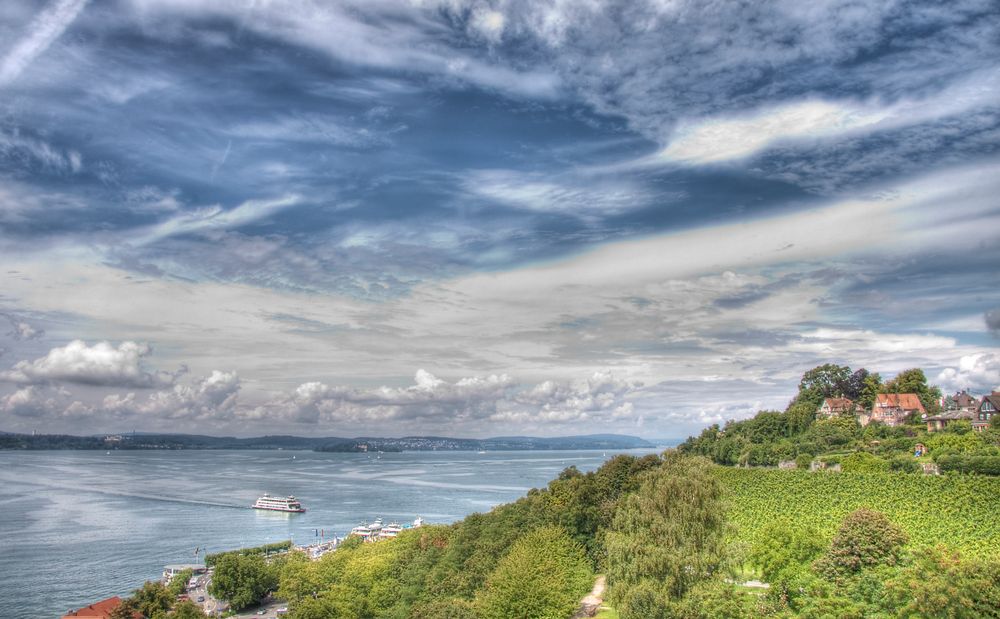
x=866 y=538
x=803 y=461
x=863 y=462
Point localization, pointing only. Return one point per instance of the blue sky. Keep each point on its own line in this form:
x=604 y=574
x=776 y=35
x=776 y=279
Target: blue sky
x=481 y=218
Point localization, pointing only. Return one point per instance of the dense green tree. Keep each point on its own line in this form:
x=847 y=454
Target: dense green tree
x=178 y=584
x=186 y=610
x=152 y=600
x=668 y=536
x=242 y=580
x=542 y=577
x=785 y=545
x=800 y=415
x=865 y=539
x=854 y=386
x=872 y=387
x=939 y=583
x=447 y=608
x=825 y=381
x=125 y=610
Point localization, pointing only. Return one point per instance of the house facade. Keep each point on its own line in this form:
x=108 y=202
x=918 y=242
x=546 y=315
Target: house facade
x=834 y=407
x=962 y=401
x=988 y=407
x=941 y=421
x=893 y=409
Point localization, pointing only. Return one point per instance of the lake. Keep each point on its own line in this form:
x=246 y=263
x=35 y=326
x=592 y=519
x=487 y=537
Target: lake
x=79 y=526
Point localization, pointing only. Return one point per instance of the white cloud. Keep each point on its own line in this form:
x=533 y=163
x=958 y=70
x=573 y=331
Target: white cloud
x=977 y=373
x=212 y=398
x=399 y=35
x=722 y=138
x=28 y=401
x=740 y=302
x=100 y=364
x=495 y=398
x=19 y=147
x=216 y=218
x=21 y=330
x=40 y=34
x=487 y=23
x=573 y=195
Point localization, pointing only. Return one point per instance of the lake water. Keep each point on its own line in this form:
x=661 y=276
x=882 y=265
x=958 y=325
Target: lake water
x=79 y=526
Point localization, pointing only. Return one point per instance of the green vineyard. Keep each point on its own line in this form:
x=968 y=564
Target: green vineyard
x=957 y=510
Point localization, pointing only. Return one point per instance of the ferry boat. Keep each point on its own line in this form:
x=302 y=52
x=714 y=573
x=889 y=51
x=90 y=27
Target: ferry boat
x=278 y=504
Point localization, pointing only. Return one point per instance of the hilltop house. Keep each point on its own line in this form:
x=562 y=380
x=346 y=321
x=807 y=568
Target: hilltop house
x=893 y=409
x=961 y=401
x=834 y=407
x=988 y=406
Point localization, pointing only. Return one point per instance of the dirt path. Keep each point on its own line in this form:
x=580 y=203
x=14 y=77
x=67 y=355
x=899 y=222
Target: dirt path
x=590 y=604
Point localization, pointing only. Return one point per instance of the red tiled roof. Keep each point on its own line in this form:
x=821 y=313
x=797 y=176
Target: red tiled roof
x=839 y=403
x=101 y=609
x=905 y=401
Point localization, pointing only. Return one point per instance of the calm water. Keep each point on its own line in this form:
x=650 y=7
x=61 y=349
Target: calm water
x=79 y=526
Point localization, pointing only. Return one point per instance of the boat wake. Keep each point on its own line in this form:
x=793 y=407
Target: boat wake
x=129 y=495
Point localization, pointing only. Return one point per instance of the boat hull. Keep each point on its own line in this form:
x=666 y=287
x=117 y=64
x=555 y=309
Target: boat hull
x=301 y=510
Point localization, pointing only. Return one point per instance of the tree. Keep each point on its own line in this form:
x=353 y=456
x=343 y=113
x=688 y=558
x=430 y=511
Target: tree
x=242 y=580
x=782 y=545
x=187 y=610
x=178 y=584
x=542 y=577
x=152 y=600
x=940 y=583
x=125 y=610
x=866 y=538
x=824 y=381
x=667 y=537
x=854 y=387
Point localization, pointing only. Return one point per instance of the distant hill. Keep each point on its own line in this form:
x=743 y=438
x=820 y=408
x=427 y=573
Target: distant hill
x=329 y=443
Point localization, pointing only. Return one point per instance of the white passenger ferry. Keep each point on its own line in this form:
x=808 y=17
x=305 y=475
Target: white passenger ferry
x=279 y=504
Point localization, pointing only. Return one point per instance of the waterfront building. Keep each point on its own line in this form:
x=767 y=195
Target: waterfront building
x=99 y=610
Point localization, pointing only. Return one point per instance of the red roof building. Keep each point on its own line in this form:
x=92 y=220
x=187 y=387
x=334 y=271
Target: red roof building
x=893 y=409
x=98 y=610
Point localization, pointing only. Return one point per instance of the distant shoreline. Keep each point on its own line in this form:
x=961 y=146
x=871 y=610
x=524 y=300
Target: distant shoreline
x=146 y=441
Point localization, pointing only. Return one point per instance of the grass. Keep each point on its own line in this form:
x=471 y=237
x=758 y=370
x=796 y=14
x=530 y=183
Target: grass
x=606 y=612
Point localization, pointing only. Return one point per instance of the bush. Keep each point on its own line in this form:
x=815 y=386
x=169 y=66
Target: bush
x=863 y=462
x=865 y=539
x=980 y=465
x=803 y=461
x=785 y=545
x=905 y=464
x=542 y=577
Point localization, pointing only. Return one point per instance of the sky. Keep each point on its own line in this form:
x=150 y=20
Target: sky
x=481 y=218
